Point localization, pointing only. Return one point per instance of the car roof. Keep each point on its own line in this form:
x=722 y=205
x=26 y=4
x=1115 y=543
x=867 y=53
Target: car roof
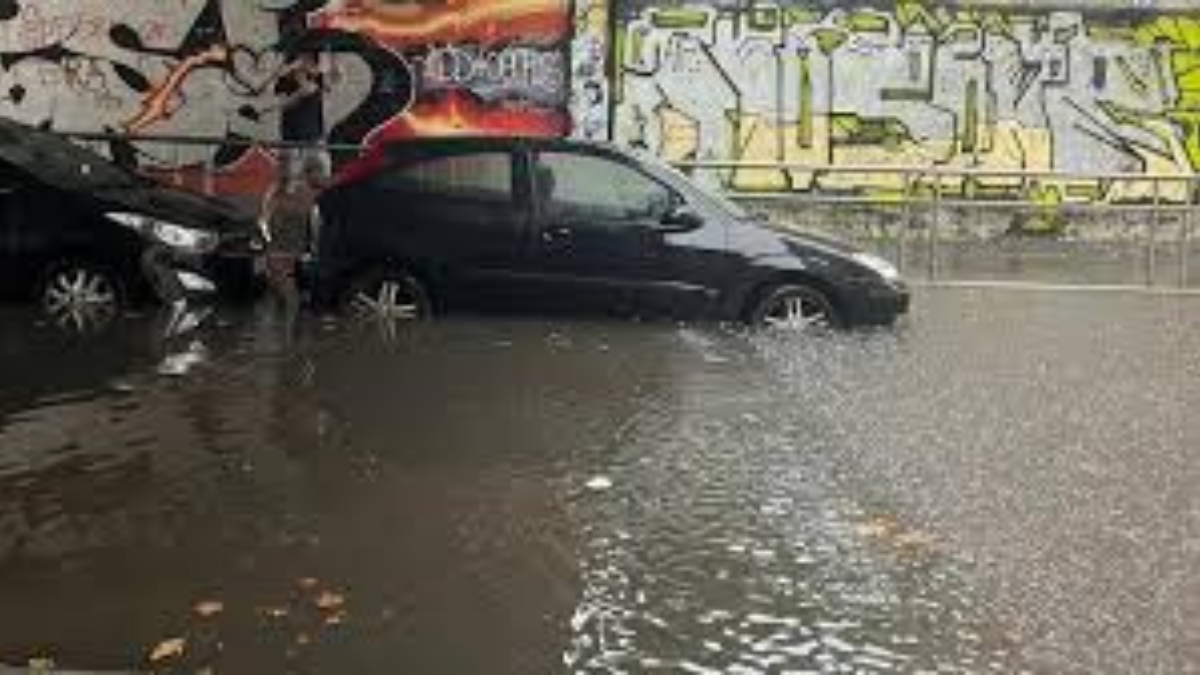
x=467 y=142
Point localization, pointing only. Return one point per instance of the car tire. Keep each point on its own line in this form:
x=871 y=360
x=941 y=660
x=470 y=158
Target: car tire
x=794 y=307
x=388 y=294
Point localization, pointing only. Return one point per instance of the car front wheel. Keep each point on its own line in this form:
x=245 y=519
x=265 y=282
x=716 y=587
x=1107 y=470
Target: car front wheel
x=80 y=295
x=392 y=295
x=794 y=307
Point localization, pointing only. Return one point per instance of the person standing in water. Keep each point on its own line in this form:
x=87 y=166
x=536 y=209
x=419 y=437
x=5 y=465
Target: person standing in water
x=287 y=216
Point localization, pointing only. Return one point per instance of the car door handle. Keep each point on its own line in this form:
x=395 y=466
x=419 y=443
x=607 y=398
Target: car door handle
x=557 y=235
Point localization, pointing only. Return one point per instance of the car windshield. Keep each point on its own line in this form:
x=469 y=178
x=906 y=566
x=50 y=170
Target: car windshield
x=684 y=183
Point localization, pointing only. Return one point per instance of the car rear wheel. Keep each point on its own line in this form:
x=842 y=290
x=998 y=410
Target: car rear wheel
x=391 y=295
x=794 y=307
x=81 y=295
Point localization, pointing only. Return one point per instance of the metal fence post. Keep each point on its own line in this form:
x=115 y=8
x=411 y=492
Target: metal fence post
x=934 y=222
x=177 y=165
x=1151 y=234
x=905 y=223
x=209 y=177
x=1191 y=192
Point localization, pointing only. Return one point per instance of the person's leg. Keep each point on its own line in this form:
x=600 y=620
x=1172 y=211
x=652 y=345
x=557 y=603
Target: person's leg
x=281 y=274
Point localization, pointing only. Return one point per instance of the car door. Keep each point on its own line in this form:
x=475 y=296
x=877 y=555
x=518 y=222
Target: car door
x=12 y=270
x=461 y=216
x=598 y=222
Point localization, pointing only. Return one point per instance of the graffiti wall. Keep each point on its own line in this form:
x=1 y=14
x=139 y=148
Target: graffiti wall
x=908 y=83
x=211 y=68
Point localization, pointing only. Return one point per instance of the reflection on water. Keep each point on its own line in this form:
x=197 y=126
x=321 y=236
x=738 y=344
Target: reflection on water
x=495 y=497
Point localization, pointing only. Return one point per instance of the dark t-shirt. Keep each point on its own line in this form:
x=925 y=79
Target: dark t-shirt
x=304 y=119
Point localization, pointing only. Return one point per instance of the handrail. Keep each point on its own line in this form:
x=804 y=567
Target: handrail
x=851 y=169
x=914 y=189
x=965 y=172
x=208 y=141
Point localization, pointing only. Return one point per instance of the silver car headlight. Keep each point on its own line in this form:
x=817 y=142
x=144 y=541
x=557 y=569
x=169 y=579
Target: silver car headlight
x=877 y=265
x=179 y=237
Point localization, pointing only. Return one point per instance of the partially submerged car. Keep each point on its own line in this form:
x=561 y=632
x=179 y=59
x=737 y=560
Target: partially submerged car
x=551 y=225
x=86 y=238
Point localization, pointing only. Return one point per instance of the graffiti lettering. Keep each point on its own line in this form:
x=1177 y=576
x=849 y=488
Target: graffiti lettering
x=917 y=84
x=513 y=71
x=211 y=68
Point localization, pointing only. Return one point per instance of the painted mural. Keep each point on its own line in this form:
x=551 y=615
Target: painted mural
x=591 y=86
x=209 y=68
x=909 y=83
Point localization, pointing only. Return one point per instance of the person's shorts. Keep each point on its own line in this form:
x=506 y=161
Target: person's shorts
x=299 y=161
x=281 y=265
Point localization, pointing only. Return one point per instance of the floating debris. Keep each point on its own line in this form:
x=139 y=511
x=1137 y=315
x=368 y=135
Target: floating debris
x=172 y=648
x=209 y=608
x=599 y=483
x=329 y=600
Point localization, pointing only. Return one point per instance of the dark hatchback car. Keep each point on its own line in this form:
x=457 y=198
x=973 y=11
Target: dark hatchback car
x=85 y=238
x=559 y=225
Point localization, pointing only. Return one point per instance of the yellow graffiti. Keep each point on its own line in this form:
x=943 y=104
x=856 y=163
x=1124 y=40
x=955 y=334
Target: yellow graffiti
x=1058 y=92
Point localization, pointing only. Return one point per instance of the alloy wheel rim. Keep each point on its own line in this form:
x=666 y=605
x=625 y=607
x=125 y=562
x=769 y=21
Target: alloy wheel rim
x=390 y=300
x=80 y=299
x=797 y=313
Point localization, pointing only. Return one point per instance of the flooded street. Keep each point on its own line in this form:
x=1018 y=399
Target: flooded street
x=1005 y=483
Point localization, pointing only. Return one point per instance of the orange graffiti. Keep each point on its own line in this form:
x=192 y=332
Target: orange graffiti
x=485 y=22
x=453 y=114
x=458 y=113
x=157 y=104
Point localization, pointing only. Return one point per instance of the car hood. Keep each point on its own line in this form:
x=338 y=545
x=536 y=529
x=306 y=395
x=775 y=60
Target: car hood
x=79 y=172
x=175 y=206
x=818 y=240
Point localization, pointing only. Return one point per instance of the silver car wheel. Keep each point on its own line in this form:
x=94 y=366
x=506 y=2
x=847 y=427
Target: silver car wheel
x=80 y=298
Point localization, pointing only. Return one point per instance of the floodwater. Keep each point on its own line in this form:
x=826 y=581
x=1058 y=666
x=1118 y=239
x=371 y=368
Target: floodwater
x=1006 y=483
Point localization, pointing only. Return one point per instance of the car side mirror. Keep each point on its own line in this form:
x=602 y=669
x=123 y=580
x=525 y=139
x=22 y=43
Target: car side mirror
x=681 y=218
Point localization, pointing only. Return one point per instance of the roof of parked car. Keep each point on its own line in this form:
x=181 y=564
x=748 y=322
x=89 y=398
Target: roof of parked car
x=489 y=141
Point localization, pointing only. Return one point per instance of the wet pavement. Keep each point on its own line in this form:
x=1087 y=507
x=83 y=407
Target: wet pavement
x=1005 y=483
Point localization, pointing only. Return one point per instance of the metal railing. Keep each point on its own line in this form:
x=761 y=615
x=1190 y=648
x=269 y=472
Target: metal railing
x=938 y=224
x=971 y=225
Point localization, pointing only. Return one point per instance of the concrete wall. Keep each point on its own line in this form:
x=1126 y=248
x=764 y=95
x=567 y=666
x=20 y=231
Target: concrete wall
x=207 y=68
x=1019 y=86
x=1016 y=85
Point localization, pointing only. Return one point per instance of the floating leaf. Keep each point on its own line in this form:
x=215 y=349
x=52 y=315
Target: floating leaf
x=328 y=600
x=168 y=649
x=209 y=608
x=599 y=483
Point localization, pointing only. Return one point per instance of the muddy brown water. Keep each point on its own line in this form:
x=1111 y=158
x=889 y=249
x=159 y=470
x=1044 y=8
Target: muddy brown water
x=1005 y=483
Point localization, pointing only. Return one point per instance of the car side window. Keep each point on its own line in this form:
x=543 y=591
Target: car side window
x=587 y=188
x=485 y=176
